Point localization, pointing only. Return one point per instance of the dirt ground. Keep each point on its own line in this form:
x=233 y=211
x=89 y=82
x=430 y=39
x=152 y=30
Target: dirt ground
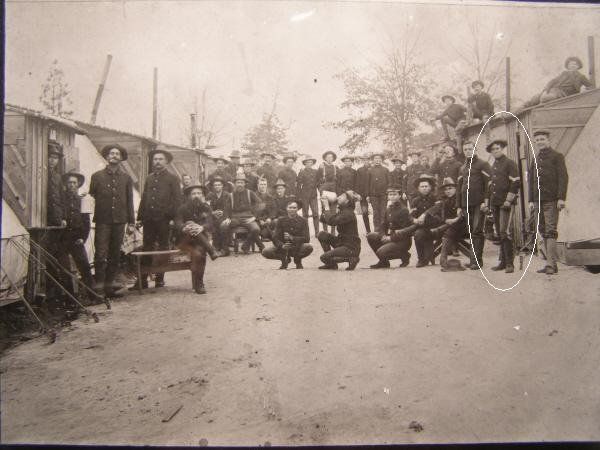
x=312 y=357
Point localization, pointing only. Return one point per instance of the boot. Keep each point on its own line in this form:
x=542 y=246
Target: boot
x=509 y=255
x=405 y=260
x=366 y=222
x=476 y=254
x=159 y=280
x=381 y=264
x=284 y=263
x=446 y=249
x=198 y=283
x=552 y=254
x=298 y=262
x=316 y=225
x=99 y=275
x=212 y=253
x=135 y=286
x=352 y=262
x=502 y=263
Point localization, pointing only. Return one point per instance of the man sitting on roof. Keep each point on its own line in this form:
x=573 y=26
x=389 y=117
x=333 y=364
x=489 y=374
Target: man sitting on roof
x=480 y=102
x=452 y=115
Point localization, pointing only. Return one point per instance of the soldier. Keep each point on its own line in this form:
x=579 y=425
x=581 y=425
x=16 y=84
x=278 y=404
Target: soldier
x=398 y=175
x=413 y=172
x=77 y=230
x=290 y=238
x=345 y=246
x=288 y=175
x=160 y=200
x=387 y=244
x=307 y=191
x=473 y=181
x=280 y=200
x=265 y=213
x=553 y=183
x=241 y=213
x=480 y=102
x=112 y=190
x=504 y=186
x=447 y=166
x=234 y=163
x=267 y=171
x=219 y=201
x=379 y=178
x=327 y=176
x=346 y=177
x=452 y=115
x=251 y=178
x=362 y=188
x=194 y=222
x=221 y=172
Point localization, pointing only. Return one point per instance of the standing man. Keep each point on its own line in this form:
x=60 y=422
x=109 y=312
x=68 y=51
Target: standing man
x=219 y=201
x=267 y=171
x=474 y=177
x=221 y=172
x=362 y=188
x=265 y=213
x=553 y=182
x=288 y=175
x=290 y=238
x=388 y=244
x=160 y=200
x=503 y=191
x=346 y=176
x=251 y=178
x=346 y=245
x=307 y=191
x=398 y=175
x=234 y=163
x=447 y=166
x=112 y=190
x=379 y=179
x=413 y=172
x=280 y=200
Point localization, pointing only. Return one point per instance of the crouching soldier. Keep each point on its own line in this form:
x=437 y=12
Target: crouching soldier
x=291 y=238
x=345 y=246
x=194 y=222
x=387 y=244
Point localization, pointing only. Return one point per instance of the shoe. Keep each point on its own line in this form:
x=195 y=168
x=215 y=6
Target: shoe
x=329 y=267
x=284 y=264
x=499 y=267
x=159 y=284
x=509 y=268
x=245 y=249
x=550 y=270
x=225 y=252
x=260 y=245
x=542 y=270
x=213 y=256
x=135 y=286
x=468 y=264
x=352 y=262
x=299 y=265
x=406 y=261
x=200 y=289
x=473 y=266
x=422 y=263
x=380 y=265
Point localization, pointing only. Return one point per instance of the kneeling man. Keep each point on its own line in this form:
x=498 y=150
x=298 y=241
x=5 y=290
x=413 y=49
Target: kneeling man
x=290 y=238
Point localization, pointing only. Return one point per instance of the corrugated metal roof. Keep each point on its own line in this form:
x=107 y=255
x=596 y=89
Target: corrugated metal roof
x=50 y=117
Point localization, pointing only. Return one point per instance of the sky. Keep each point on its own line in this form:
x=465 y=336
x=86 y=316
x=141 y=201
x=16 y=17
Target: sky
x=243 y=55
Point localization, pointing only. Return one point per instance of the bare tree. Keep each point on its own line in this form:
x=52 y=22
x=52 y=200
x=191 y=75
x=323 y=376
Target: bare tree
x=55 y=93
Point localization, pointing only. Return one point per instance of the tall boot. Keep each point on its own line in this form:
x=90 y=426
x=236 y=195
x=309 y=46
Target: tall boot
x=479 y=249
x=99 y=275
x=316 y=225
x=551 y=255
x=197 y=267
x=366 y=222
x=502 y=264
x=203 y=239
x=476 y=253
x=509 y=255
x=446 y=249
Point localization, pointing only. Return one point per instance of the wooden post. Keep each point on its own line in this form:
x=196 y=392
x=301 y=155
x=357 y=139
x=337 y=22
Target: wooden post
x=154 y=103
x=193 y=142
x=592 y=60
x=100 y=89
x=507 y=83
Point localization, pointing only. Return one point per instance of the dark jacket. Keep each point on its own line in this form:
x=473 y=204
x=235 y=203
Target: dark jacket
x=221 y=203
x=569 y=81
x=201 y=214
x=161 y=197
x=483 y=102
x=289 y=178
x=55 y=212
x=113 y=195
x=554 y=178
x=421 y=203
x=280 y=205
x=347 y=228
x=327 y=175
x=362 y=181
x=266 y=209
x=297 y=227
x=398 y=178
x=413 y=172
x=477 y=182
x=455 y=111
x=78 y=223
x=444 y=169
x=397 y=217
x=243 y=204
x=251 y=182
x=227 y=179
x=379 y=180
x=444 y=209
x=346 y=180
x=505 y=179
x=307 y=184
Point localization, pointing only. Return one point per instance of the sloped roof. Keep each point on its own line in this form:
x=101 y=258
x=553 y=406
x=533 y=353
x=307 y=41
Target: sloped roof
x=50 y=117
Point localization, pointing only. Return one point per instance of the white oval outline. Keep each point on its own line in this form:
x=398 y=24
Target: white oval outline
x=539 y=200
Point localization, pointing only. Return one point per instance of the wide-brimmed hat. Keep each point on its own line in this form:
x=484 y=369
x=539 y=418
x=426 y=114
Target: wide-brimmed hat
x=162 y=150
x=396 y=158
x=80 y=177
x=220 y=158
x=424 y=177
x=500 y=142
x=309 y=158
x=450 y=97
x=286 y=157
x=573 y=58
x=216 y=178
x=240 y=176
x=394 y=188
x=189 y=189
x=477 y=82
x=109 y=147
x=377 y=153
x=329 y=152
x=541 y=131
x=54 y=148
x=280 y=182
x=345 y=157
x=448 y=181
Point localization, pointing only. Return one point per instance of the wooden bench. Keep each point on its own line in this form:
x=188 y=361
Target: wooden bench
x=161 y=261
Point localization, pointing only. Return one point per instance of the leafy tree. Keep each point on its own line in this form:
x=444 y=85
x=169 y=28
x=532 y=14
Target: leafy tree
x=268 y=135
x=55 y=93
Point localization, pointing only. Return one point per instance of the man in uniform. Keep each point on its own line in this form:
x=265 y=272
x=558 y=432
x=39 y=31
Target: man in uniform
x=397 y=175
x=265 y=213
x=307 y=191
x=219 y=201
x=452 y=115
x=362 y=188
x=553 y=183
x=388 y=244
x=288 y=175
x=447 y=166
x=112 y=190
x=267 y=171
x=251 y=178
x=474 y=178
x=346 y=245
x=290 y=238
x=221 y=172
x=234 y=163
x=160 y=200
x=241 y=213
x=504 y=186
x=379 y=178
x=194 y=222
x=346 y=178
x=413 y=173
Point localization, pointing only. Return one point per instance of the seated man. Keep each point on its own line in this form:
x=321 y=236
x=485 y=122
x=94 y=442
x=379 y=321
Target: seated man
x=240 y=213
x=291 y=238
x=265 y=213
x=452 y=115
x=480 y=102
x=388 y=244
x=193 y=222
x=219 y=201
x=345 y=246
